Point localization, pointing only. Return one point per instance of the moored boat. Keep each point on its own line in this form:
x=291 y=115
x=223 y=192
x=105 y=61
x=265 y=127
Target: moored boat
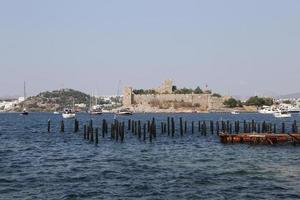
x=282 y=114
x=124 y=111
x=24 y=112
x=235 y=112
x=68 y=114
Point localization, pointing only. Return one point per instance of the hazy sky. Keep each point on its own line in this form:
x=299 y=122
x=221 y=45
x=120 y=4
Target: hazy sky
x=242 y=47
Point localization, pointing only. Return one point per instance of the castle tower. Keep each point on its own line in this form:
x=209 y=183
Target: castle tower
x=166 y=87
x=127 y=96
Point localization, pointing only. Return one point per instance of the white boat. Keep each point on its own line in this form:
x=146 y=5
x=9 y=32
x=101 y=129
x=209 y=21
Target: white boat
x=266 y=110
x=56 y=113
x=235 y=112
x=68 y=114
x=124 y=111
x=282 y=114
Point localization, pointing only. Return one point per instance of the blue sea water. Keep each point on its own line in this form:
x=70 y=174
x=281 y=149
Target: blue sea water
x=35 y=164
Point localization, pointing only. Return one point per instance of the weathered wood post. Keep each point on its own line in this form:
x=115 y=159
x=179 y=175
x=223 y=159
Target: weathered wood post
x=62 y=126
x=263 y=129
x=91 y=124
x=103 y=128
x=49 y=125
x=283 y=127
x=161 y=127
x=154 y=127
x=230 y=128
x=88 y=132
x=168 y=124
x=274 y=128
x=144 y=133
x=185 y=126
x=227 y=126
x=217 y=128
x=151 y=132
x=192 y=127
x=173 y=126
x=135 y=128
x=132 y=126
x=84 y=132
x=148 y=126
x=211 y=127
x=97 y=139
x=112 y=131
x=92 y=134
x=223 y=128
x=117 y=130
x=123 y=132
x=204 y=128
x=181 y=126
x=129 y=124
x=245 y=127
x=139 y=129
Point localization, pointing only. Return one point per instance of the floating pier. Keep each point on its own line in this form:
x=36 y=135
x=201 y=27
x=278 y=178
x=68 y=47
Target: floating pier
x=255 y=138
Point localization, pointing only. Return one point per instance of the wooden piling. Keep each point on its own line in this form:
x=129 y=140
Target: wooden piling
x=173 y=126
x=144 y=132
x=49 y=125
x=139 y=129
x=192 y=127
x=168 y=125
x=62 y=126
x=212 y=127
x=97 y=139
x=129 y=124
x=181 y=126
x=283 y=127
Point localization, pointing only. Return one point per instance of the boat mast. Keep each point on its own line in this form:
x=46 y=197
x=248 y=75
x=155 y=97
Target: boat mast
x=24 y=90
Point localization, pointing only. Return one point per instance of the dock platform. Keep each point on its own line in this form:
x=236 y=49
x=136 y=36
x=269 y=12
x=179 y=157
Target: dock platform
x=256 y=138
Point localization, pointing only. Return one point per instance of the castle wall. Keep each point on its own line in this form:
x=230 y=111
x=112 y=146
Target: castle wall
x=202 y=101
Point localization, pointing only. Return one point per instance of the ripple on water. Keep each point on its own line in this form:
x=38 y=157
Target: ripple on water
x=38 y=165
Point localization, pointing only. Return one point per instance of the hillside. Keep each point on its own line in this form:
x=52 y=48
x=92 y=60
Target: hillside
x=54 y=101
x=289 y=96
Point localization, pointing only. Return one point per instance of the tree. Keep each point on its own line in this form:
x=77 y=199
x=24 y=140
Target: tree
x=259 y=101
x=232 y=103
x=198 y=90
x=216 y=95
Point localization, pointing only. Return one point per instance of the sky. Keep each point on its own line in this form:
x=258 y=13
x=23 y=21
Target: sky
x=236 y=47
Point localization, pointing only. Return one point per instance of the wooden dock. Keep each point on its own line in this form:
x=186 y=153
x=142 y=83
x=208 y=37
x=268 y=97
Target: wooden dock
x=256 y=138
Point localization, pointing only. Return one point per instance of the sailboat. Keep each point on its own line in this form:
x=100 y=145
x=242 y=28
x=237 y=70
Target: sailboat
x=24 y=112
x=94 y=109
x=69 y=113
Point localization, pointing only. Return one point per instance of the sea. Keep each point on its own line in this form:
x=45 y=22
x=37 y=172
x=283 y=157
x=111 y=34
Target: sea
x=35 y=164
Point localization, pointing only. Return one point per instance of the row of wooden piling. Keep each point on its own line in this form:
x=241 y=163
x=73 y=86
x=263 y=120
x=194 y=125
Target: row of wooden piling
x=148 y=129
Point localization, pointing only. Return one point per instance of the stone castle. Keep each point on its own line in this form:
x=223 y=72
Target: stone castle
x=165 y=98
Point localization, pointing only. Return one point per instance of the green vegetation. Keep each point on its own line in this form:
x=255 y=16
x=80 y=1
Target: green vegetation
x=216 y=95
x=287 y=102
x=259 y=101
x=141 y=91
x=233 y=103
x=65 y=97
x=198 y=90
x=184 y=90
